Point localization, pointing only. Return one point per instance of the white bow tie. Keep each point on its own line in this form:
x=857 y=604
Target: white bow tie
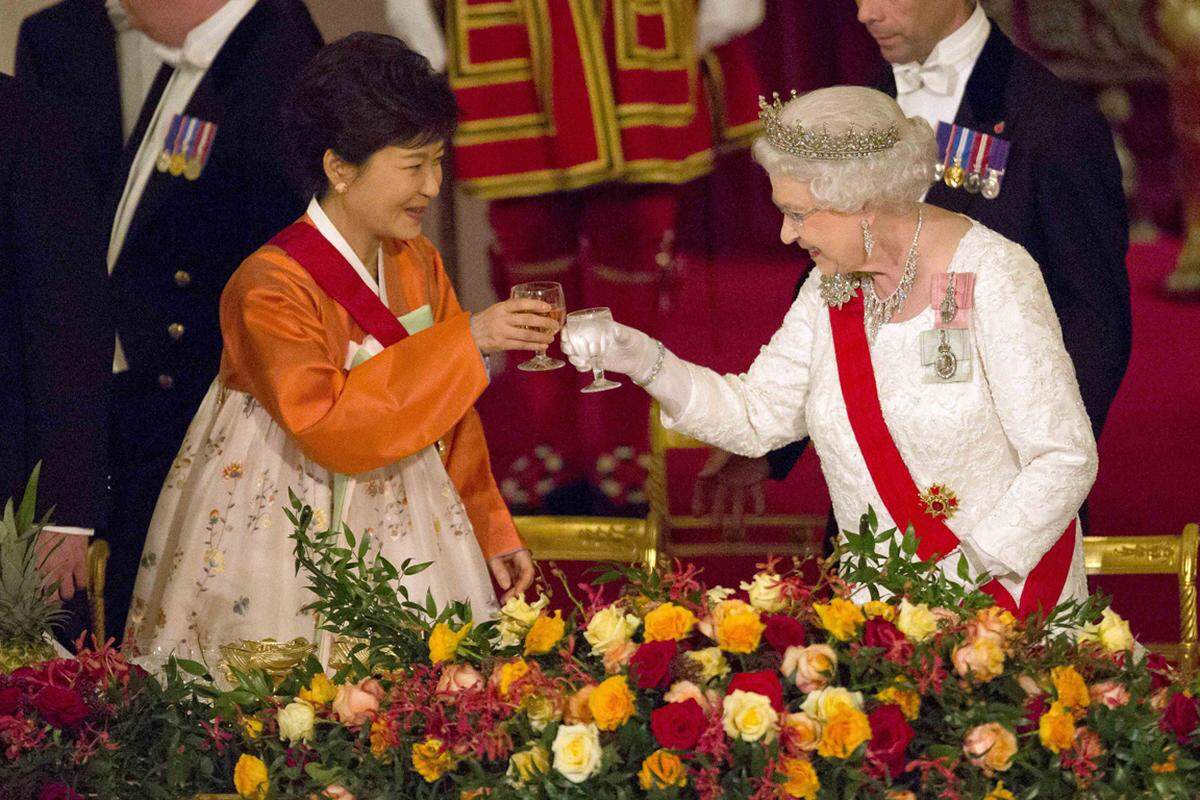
x=934 y=78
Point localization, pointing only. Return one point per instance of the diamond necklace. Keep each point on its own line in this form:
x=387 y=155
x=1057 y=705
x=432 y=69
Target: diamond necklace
x=876 y=312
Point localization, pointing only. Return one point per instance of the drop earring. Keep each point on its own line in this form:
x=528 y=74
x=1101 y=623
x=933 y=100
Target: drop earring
x=868 y=237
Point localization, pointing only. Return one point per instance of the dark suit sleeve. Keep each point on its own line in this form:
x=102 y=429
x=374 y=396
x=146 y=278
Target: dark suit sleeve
x=58 y=243
x=1081 y=207
x=782 y=461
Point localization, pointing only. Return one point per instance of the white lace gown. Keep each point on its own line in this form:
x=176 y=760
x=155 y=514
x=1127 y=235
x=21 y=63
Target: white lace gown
x=1013 y=441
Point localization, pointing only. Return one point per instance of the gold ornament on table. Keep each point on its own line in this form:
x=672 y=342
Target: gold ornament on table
x=277 y=659
x=820 y=144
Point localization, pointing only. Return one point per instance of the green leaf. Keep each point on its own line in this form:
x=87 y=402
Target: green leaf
x=191 y=667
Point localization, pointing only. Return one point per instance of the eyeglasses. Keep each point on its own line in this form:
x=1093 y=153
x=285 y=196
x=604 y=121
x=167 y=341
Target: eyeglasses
x=798 y=217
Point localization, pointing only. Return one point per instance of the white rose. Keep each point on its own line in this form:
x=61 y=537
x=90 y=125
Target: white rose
x=820 y=704
x=916 y=622
x=610 y=628
x=718 y=595
x=711 y=661
x=749 y=716
x=577 y=751
x=296 y=721
x=766 y=592
x=516 y=616
x=1111 y=632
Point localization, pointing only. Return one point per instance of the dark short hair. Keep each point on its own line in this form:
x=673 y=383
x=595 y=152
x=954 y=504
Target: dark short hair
x=361 y=94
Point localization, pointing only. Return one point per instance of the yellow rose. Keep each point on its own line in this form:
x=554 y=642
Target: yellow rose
x=843 y=732
x=252 y=727
x=740 y=632
x=444 y=641
x=878 y=608
x=250 y=778
x=1000 y=793
x=320 y=690
x=1056 y=728
x=511 y=672
x=821 y=704
x=800 y=733
x=382 y=739
x=1070 y=688
x=800 y=779
x=609 y=628
x=577 y=752
x=662 y=769
x=840 y=617
x=612 y=703
x=296 y=721
x=749 y=716
x=431 y=759
x=916 y=622
x=544 y=634
x=515 y=617
x=711 y=662
x=908 y=700
x=542 y=709
x=526 y=766
x=669 y=622
x=981 y=659
x=765 y=591
x=990 y=747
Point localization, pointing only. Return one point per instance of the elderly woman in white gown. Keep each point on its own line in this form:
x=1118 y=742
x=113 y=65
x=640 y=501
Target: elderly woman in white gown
x=922 y=356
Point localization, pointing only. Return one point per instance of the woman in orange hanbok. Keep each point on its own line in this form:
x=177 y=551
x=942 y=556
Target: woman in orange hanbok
x=348 y=376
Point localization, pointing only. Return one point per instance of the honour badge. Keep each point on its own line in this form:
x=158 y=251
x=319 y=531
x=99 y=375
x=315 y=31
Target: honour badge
x=939 y=501
x=187 y=146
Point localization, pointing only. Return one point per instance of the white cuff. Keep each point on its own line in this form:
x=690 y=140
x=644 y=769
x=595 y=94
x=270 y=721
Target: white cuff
x=672 y=387
x=69 y=530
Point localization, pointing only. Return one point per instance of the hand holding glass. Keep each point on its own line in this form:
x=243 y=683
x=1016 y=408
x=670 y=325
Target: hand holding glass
x=586 y=330
x=551 y=293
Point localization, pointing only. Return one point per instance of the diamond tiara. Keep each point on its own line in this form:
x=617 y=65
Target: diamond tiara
x=821 y=145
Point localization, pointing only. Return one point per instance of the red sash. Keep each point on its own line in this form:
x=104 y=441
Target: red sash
x=333 y=273
x=895 y=484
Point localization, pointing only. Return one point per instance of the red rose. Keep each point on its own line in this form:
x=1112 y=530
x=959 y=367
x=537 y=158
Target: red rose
x=651 y=664
x=1160 y=671
x=888 y=638
x=1035 y=707
x=890 y=735
x=1181 y=717
x=783 y=632
x=62 y=672
x=58 y=791
x=62 y=708
x=10 y=700
x=766 y=682
x=678 y=726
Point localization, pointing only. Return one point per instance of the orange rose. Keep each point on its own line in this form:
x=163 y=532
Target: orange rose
x=612 y=703
x=846 y=729
x=800 y=779
x=1070 y=688
x=662 y=769
x=355 y=704
x=990 y=747
x=669 y=622
x=544 y=634
x=1056 y=728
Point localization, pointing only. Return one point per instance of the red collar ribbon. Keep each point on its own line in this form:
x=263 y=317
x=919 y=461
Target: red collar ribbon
x=337 y=278
x=895 y=484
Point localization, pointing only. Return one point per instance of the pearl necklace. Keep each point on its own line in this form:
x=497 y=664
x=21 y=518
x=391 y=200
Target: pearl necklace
x=876 y=312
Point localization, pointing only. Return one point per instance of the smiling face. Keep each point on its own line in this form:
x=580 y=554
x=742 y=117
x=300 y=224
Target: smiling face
x=832 y=238
x=908 y=30
x=389 y=193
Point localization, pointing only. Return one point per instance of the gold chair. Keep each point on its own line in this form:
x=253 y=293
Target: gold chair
x=97 y=567
x=807 y=529
x=631 y=540
x=1156 y=555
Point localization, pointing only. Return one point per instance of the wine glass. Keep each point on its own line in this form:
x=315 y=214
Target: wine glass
x=588 y=325
x=547 y=292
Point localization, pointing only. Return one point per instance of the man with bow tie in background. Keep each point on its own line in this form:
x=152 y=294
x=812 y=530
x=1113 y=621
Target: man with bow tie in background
x=1060 y=195
x=198 y=185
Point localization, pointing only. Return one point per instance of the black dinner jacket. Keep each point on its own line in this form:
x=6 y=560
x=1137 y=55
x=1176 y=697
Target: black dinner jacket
x=52 y=374
x=186 y=237
x=1061 y=199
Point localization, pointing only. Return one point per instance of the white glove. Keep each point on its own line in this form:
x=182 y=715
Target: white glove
x=627 y=350
x=719 y=21
x=415 y=22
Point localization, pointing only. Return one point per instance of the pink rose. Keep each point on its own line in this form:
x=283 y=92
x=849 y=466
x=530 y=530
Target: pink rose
x=813 y=666
x=682 y=691
x=990 y=747
x=459 y=678
x=1111 y=693
x=337 y=792
x=1030 y=686
x=618 y=656
x=373 y=687
x=354 y=705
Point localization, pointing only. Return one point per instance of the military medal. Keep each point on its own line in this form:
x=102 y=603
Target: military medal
x=997 y=161
x=939 y=501
x=978 y=157
x=955 y=172
x=178 y=157
x=944 y=131
x=164 y=158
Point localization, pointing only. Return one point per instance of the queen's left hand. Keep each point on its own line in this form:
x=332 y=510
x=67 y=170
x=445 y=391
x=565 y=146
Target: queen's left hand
x=513 y=571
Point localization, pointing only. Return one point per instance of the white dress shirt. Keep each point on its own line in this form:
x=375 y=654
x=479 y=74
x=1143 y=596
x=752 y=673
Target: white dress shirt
x=934 y=89
x=137 y=64
x=191 y=62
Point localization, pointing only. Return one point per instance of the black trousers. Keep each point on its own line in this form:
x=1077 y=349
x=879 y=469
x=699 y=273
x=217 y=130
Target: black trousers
x=147 y=426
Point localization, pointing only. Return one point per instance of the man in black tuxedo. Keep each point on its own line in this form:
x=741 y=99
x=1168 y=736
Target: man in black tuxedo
x=1061 y=195
x=52 y=315
x=199 y=186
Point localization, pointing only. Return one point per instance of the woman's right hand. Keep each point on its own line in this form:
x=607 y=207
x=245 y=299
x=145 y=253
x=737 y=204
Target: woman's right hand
x=514 y=324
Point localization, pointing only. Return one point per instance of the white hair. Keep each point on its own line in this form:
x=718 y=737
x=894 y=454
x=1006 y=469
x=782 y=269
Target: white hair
x=895 y=176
